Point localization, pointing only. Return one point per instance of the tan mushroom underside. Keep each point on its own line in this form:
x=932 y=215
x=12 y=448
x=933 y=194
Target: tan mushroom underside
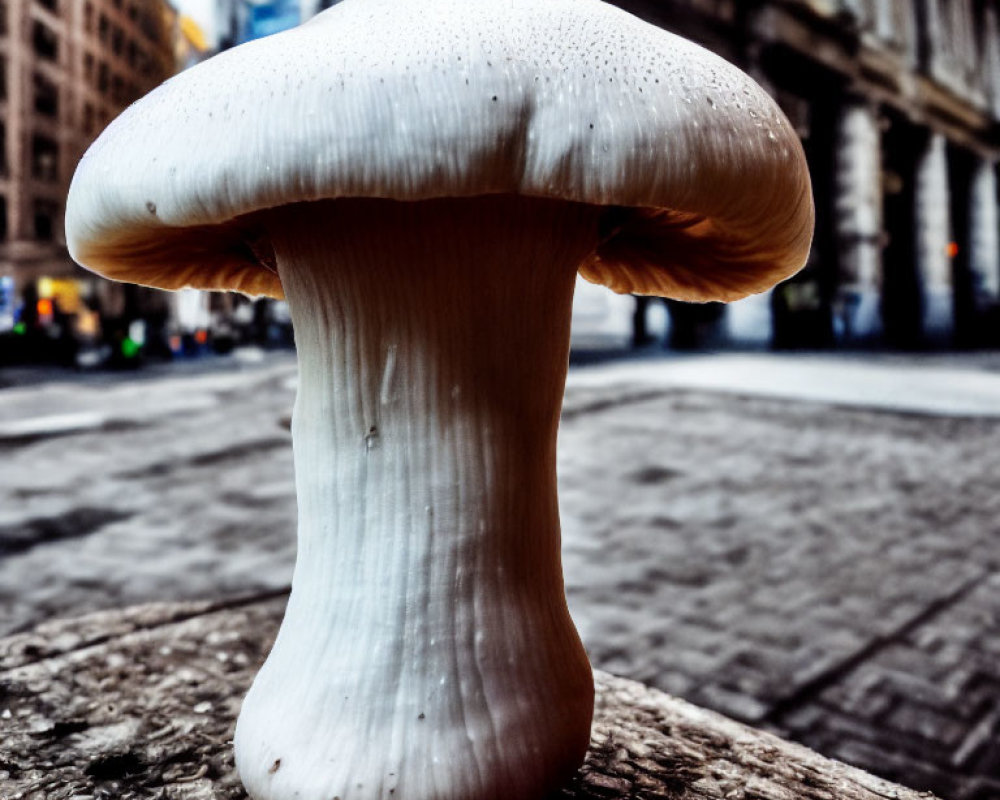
x=646 y=251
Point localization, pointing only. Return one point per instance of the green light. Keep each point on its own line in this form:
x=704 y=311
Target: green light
x=20 y=328
x=129 y=348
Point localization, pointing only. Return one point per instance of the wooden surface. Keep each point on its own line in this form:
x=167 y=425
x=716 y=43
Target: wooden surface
x=141 y=703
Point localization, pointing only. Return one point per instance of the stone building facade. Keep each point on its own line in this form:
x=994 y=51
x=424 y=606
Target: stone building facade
x=898 y=106
x=67 y=67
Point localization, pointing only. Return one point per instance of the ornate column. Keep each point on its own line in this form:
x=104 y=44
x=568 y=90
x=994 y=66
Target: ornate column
x=933 y=239
x=858 y=205
x=984 y=251
x=985 y=223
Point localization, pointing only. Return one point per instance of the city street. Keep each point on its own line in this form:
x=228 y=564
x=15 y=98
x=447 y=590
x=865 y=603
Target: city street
x=811 y=546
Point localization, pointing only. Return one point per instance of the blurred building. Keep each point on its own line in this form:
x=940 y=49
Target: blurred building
x=898 y=106
x=897 y=103
x=67 y=67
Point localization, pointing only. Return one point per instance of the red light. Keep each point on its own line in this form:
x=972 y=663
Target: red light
x=45 y=307
x=201 y=336
x=952 y=249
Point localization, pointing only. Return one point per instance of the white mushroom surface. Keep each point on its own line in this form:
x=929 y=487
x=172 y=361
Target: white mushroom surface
x=422 y=181
x=569 y=99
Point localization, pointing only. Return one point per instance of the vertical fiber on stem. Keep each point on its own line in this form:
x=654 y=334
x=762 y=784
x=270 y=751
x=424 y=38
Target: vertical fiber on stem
x=427 y=651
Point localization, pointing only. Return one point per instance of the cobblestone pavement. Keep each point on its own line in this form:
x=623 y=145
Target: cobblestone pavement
x=829 y=573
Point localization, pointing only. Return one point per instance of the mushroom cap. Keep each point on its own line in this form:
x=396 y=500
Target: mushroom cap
x=708 y=192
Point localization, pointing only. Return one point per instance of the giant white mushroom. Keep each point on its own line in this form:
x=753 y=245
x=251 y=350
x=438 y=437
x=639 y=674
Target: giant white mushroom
x=422 y=181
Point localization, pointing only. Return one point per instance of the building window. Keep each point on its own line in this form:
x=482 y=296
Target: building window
x=45 y=41
x=88 y=119
x=3 y=218
x=103 y=78
x=117 y=40
x=88 y=17
x=3 y=78
x=3 y=17
x=150 y=27
x=103 y=28
x=46 y=214
x=46 y=96
x=44 y=158
x=51 y=5
x=3 y=150
x=88 y=67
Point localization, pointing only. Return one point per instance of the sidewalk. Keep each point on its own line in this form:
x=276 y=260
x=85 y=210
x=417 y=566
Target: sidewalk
x=961 y=386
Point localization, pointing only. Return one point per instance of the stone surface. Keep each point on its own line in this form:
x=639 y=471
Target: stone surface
x=141 y=703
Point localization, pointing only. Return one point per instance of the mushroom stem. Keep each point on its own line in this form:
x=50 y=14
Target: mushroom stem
x=427 y=652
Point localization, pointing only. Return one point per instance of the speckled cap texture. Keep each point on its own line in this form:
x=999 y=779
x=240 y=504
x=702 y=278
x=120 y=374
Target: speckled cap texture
x=705 y=181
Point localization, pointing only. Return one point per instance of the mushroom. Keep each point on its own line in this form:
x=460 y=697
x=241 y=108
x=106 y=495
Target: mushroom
x=422 y=181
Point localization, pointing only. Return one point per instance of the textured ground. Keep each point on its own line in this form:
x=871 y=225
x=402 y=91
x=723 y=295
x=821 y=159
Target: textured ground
x=828 y=572
x=141 y=703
